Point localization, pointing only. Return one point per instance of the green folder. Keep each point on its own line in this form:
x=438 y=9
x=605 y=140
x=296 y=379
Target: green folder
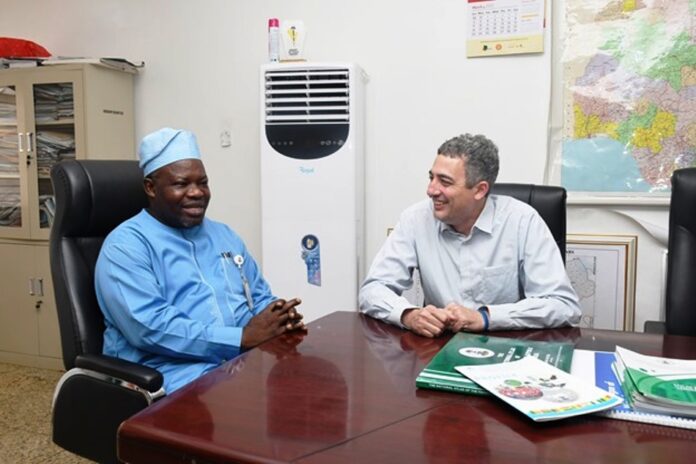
x=465 y=349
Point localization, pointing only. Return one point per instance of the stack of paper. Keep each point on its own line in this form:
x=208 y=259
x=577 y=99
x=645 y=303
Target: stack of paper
x=53 y=146
x=9 y=152
x=8 y=106
x=10 y=211
x=120 y=64
x=53 y=102
x=599 y=366
x=657 y=385
x=47 y=210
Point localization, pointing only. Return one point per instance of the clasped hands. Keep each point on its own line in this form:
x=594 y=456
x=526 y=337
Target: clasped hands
x=278 y=317
x=431 y=321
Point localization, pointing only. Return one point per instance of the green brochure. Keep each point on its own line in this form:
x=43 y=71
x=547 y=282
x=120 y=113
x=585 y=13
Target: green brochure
x=540 y=391
x=465 y=349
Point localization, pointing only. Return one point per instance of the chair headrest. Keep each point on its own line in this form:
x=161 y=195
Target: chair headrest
x=94 y=196
x=681 y=210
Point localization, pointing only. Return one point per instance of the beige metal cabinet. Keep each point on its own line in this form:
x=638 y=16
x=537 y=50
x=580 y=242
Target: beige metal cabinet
x=28 y=320
x=48 y=114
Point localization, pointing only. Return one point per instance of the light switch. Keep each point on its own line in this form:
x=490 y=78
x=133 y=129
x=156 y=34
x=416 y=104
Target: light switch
x=225 y=138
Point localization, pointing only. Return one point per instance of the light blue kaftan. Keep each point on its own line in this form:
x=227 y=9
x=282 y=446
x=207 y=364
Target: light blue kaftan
x=173 y=298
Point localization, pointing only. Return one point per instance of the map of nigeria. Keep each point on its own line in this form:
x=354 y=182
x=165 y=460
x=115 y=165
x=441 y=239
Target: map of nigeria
x=582 y=272
x=629 y=70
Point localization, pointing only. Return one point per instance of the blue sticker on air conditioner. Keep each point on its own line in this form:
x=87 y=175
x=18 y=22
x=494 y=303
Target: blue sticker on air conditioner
x=312 y=258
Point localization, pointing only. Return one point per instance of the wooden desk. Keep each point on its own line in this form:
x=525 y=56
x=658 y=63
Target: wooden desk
x=346 y=393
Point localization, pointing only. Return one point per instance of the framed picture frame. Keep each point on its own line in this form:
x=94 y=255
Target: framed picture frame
x=602 y=270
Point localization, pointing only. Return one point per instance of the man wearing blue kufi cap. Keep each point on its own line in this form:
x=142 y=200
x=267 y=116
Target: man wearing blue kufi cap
x=180 y=292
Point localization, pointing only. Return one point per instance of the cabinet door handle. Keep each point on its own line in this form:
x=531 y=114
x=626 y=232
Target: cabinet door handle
x=39 y=286
x=19 y=141
x=31 y=287
x=30 y=141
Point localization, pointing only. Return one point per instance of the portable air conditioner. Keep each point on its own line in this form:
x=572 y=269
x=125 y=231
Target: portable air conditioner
x=312 y=183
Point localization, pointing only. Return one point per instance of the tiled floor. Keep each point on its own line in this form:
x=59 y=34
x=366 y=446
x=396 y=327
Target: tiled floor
x=25 y=417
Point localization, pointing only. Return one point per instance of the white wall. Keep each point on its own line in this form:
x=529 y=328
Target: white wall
x=202 y=60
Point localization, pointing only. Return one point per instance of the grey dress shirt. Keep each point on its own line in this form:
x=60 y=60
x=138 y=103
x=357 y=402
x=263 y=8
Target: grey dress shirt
x=509 y=262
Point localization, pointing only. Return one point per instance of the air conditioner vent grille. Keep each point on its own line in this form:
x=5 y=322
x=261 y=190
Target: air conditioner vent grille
x=307 y=96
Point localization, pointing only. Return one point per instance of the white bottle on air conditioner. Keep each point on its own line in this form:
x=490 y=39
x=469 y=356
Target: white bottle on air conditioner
x=273 y=40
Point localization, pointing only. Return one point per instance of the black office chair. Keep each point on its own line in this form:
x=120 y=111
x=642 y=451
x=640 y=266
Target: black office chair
x=680 y=310
x=548 y=200
x=97 y=392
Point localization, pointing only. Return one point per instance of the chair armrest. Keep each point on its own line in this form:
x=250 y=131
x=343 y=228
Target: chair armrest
x=92 y=400
x=656 y=327
x=145 y=377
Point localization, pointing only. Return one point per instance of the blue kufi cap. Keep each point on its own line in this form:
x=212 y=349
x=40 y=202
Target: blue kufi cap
x=167 y=146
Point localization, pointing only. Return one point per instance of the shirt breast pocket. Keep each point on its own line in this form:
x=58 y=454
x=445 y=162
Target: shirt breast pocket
x=500 y=284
